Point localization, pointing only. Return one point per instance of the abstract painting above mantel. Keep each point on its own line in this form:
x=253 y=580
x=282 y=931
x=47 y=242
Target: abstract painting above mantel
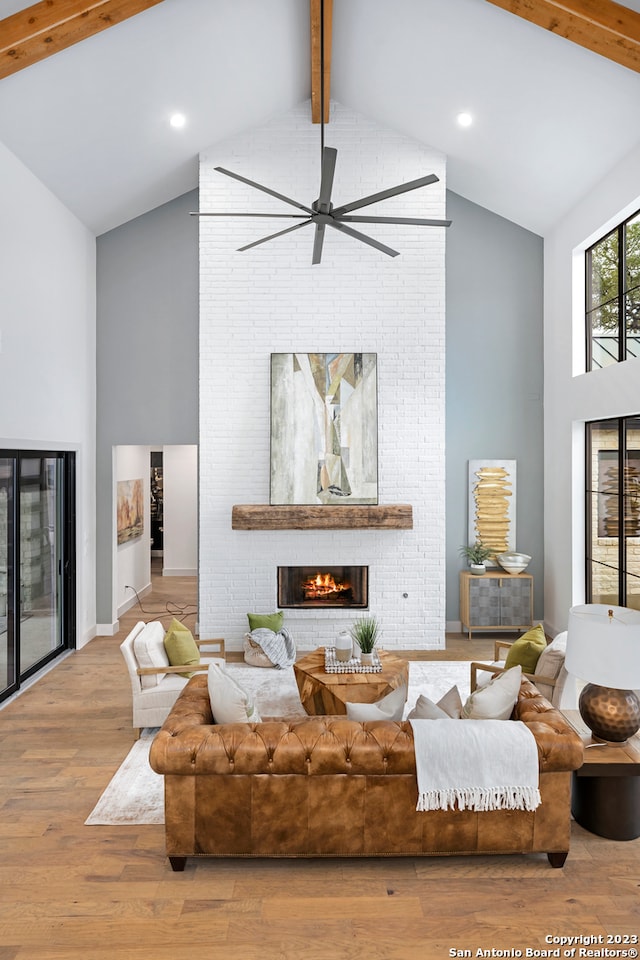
x=324 y=428
x=492 y=504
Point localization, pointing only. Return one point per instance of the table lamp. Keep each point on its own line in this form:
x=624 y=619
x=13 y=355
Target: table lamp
x=603 y=648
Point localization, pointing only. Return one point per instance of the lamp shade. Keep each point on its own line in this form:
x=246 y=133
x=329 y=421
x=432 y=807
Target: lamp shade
x=603 y=645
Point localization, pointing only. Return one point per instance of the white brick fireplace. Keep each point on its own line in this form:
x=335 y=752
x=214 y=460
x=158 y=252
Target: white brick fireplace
x=271 y=299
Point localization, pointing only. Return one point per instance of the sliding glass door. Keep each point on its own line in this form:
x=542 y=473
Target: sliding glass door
x=37 y=538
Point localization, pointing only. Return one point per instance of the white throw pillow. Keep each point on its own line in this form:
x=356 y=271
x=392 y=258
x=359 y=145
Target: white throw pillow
x=390 y=707
x=149 y=651
x=448 y=707
x=451 y=703
x=426 y=709
x=551 y=664
x=230 y=703
x=496 y=700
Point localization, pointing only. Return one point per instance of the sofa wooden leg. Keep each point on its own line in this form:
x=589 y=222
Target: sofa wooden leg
x=558 y=859
x=178 y=863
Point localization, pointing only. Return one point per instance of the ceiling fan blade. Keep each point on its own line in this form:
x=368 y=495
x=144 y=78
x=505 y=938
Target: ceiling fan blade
x=329 y=156
x=317 y=243
x=410 y=220
x=272 y=236
x=287 y=216
x=364 y=238
x=259 y=186
x=385 y=194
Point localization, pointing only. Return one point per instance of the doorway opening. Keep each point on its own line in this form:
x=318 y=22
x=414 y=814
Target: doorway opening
x=167 y=536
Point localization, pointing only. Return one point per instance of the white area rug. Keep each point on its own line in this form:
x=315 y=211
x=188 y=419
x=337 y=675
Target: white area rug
x=135 y=794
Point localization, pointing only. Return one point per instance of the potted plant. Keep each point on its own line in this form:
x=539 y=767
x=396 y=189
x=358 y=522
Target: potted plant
x=476 y=555
x=365 y=633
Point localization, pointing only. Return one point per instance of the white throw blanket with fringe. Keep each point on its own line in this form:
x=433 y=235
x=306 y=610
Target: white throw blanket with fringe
x=476 y=764
x=279 y=647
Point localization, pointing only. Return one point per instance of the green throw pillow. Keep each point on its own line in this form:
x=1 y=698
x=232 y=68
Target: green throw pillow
x=526 y=650
x=181 y=647
x=272 y=621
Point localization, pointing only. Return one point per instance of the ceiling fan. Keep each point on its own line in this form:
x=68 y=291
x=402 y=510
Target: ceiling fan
x=321 y=213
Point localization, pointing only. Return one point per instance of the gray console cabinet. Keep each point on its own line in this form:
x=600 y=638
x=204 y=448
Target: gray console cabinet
x=496 y=601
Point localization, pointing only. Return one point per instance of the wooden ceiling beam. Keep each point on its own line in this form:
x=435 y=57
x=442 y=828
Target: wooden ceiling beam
x=47 y=27
x=605 y=27
x=316 y=69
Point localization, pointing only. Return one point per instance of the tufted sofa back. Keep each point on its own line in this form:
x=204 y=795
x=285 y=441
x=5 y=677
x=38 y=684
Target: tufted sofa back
x=190 y=743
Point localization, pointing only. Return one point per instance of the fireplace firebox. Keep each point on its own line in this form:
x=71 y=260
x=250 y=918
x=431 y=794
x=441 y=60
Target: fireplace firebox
x=323 y=586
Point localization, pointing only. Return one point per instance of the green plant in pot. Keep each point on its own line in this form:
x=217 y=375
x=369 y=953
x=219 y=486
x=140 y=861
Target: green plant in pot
x=476 y=555
x=365 y=633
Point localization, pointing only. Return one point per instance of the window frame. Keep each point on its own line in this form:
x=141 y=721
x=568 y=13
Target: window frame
x=622 y=425
x=621 y=292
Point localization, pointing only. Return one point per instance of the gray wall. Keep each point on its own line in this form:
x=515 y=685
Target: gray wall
x=147 y=350
x=148 y=362
x=494 y=371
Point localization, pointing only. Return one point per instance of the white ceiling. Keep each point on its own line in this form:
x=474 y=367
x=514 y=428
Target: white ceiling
x=550 y=117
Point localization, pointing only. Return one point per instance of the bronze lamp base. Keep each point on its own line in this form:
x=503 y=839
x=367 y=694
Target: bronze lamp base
x=612 y=715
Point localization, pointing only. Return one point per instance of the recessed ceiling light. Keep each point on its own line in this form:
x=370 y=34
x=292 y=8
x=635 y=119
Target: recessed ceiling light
x=464 y=119
x=178 y=120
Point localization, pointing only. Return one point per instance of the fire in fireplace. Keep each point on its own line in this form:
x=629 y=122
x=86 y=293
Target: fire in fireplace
x=323 y=586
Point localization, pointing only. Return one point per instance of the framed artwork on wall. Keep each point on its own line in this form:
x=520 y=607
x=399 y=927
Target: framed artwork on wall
x=324 y=428
x=492 y=504
x=130 y=510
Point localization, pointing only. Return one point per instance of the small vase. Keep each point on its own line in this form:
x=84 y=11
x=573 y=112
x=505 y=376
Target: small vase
x=477 y=569
x=344 y=646
x=366 y=659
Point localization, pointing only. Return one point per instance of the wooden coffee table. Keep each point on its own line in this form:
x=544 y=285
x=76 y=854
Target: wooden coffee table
x=326 y=694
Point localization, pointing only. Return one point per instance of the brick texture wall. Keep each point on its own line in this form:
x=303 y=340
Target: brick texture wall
x=271 y=299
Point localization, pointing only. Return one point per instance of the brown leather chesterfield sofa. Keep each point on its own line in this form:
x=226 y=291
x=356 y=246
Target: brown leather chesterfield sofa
x=332 y=787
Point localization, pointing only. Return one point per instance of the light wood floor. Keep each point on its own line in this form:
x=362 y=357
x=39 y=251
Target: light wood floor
x=70 y=892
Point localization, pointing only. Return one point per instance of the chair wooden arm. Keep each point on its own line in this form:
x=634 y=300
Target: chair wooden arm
x=475 y=666
x=180 y=668
x=492 y=668
x=538 y=678
x=501 y=645
x=218 y=641
x=186 y=667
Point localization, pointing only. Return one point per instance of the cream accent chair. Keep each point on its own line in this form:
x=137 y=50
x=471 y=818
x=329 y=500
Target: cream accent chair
x=155 y=685
x=550 y=677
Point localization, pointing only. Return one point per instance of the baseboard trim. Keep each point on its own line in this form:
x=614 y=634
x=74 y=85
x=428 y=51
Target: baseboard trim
x=87 y=636
x=107 y=629
x=455 y=626
x=179 y=572
x=131 y=602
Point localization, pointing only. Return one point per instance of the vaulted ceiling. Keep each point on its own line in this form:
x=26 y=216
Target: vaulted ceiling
x=551 y=116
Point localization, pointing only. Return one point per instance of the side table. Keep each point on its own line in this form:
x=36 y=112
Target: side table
x=327 y=694
x=605 y=794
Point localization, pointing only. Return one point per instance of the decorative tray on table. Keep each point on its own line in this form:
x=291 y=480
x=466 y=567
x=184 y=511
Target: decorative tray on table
x=333 y=665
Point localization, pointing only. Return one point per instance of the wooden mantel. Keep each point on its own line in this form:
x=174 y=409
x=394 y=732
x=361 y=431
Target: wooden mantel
x=395 y=516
